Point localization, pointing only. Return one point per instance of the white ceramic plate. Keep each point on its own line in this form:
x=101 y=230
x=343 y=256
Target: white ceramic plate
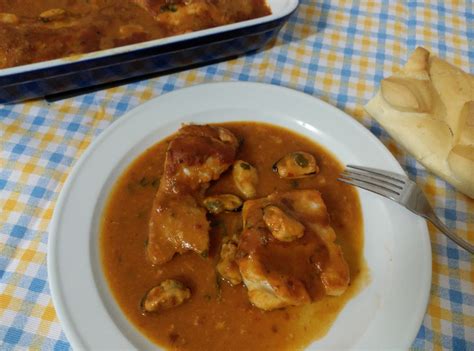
x=386 y=314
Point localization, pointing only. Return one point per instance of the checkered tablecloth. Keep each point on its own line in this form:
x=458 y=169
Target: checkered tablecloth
x=337 y=51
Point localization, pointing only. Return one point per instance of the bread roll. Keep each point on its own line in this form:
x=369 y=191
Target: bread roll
x=428 y=107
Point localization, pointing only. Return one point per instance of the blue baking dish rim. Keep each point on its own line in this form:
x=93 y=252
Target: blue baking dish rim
x=122 y=58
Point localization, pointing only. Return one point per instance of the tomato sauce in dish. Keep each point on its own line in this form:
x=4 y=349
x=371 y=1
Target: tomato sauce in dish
x=39 y=30
x=219 y=316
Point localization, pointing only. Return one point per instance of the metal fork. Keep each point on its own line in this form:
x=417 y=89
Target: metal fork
x=399 y=189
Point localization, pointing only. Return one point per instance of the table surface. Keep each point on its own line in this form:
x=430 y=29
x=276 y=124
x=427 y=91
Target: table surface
x=337 y=51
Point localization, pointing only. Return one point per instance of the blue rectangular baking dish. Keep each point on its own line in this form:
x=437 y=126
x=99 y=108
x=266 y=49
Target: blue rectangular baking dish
x=85 y=71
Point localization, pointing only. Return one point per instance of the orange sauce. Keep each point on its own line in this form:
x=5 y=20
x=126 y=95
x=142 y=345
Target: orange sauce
x=218 y=316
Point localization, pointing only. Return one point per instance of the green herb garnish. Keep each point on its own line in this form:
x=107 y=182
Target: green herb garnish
x=144 y=182
x=301 y=160
x=245 y=166
x=155 y=182
x=214 y=206
x=294 y=184
x=168 y=8
x=218 y=287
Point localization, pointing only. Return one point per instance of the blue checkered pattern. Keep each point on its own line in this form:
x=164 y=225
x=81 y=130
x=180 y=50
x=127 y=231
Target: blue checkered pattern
x=337 y=51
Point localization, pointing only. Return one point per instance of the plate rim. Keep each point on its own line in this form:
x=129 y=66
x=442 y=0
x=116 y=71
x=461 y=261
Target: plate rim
x=52 y=264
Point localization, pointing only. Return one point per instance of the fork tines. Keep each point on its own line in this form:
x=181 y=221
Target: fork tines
x=385 y=183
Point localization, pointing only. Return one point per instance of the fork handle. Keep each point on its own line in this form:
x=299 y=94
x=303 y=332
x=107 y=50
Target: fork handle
x=446 y=231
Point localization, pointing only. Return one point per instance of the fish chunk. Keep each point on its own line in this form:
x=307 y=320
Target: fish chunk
x=197 y=155
x=278 y=273
x=168 y=294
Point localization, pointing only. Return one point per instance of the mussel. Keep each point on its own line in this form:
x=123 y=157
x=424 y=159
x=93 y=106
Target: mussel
x=227 y=267
x=298 y=164
x=8 y=18
x=52 y=15
x=245 y=178
x=168 y=294
x=224 y=202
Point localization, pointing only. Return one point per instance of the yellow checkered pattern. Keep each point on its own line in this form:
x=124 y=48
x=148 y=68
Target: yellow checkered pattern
x=335 y=50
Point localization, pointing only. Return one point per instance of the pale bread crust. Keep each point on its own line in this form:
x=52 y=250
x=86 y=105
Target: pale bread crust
x=428 y=107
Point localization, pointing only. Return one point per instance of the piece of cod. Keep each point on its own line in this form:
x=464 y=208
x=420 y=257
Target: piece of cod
x=197 y=155
x=289 y=273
